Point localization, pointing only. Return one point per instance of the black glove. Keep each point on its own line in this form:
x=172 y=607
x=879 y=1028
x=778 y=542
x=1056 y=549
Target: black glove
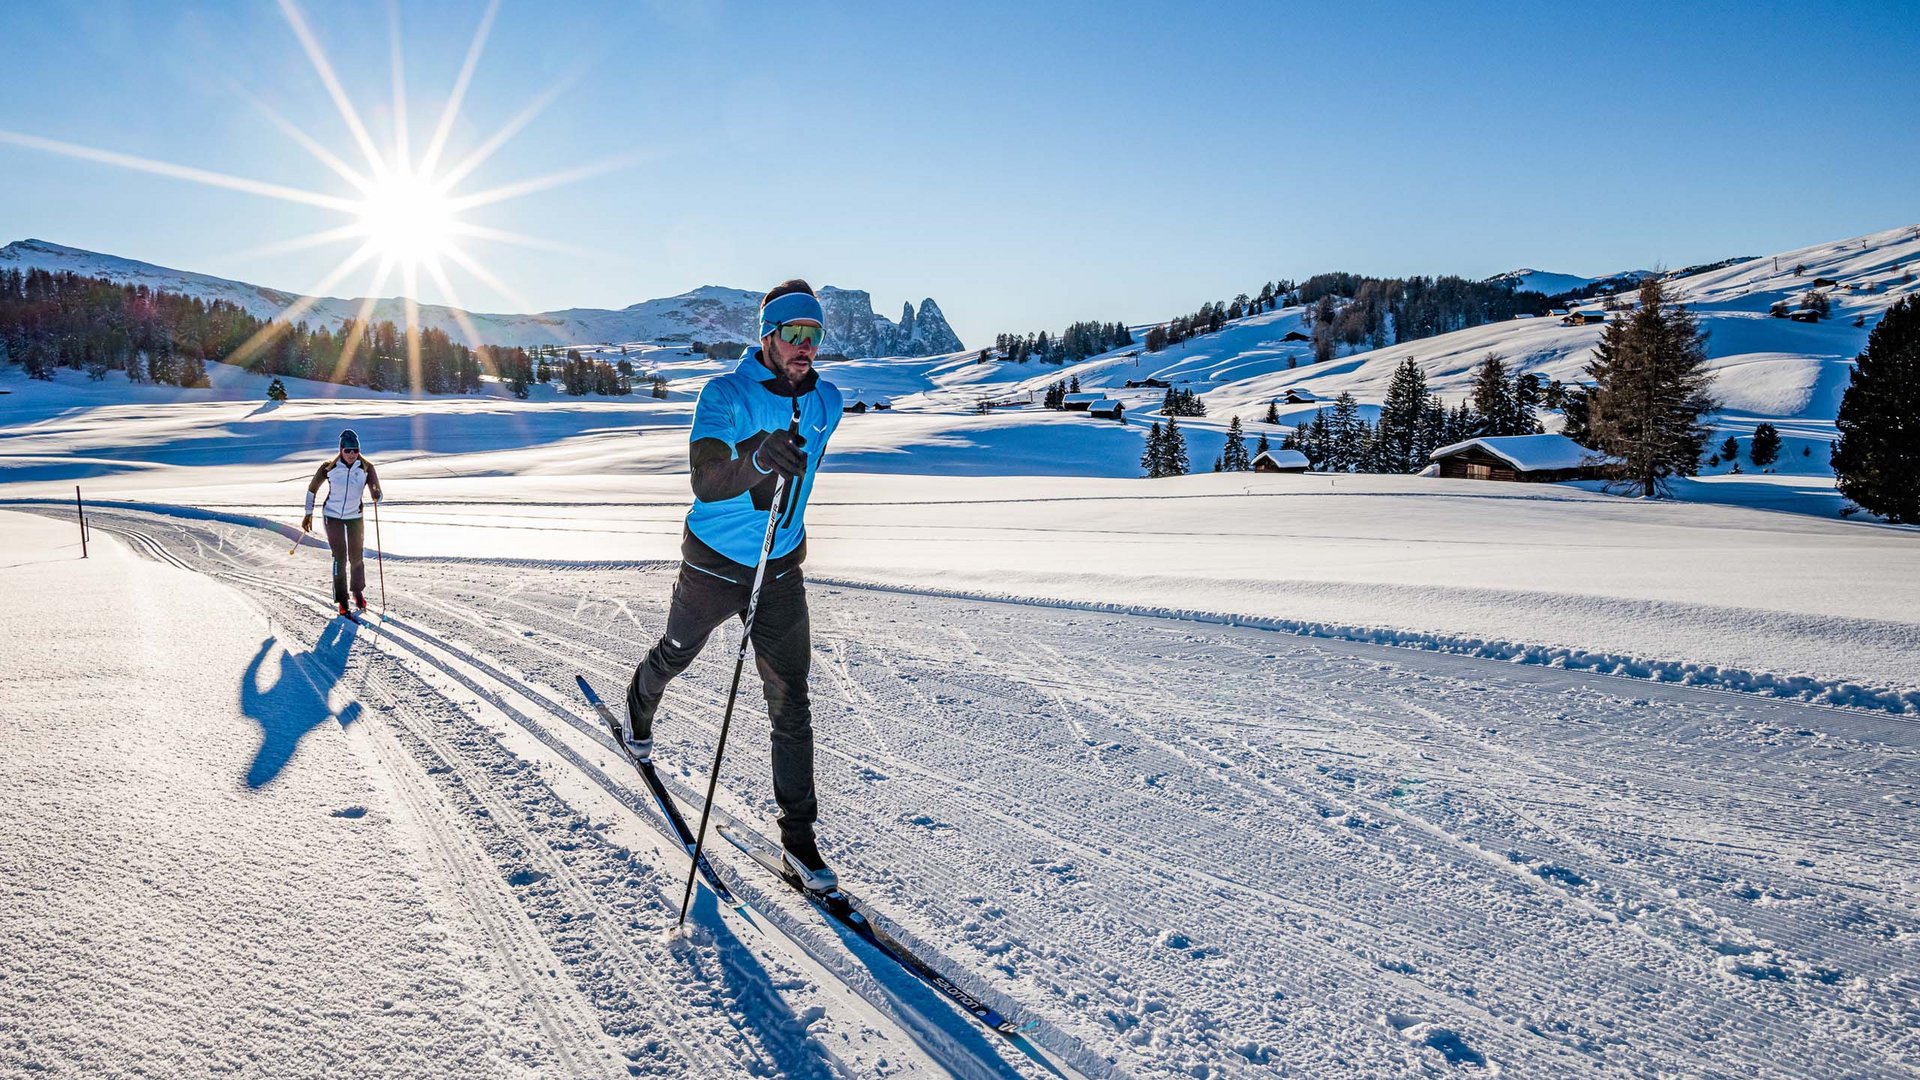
x=776 y=452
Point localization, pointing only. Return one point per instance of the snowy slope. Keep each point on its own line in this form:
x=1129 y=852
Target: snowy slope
x=1173 y=848
x=1769 y=370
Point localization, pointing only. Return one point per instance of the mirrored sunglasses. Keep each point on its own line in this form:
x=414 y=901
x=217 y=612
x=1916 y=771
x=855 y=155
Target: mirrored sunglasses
x=801 y=333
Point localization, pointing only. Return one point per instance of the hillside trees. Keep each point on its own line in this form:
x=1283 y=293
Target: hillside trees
x=1764 y=449
x=1877 y=457
x=1650 y=390
x=1166 y=452
x=50 y=320
x=1077 y=342
x=1179 y=402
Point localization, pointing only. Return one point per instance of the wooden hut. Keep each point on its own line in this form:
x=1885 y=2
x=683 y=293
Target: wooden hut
x=1522 y=458
x=1289 y=461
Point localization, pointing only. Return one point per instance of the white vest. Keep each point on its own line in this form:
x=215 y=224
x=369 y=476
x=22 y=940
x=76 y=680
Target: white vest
x=345 y=487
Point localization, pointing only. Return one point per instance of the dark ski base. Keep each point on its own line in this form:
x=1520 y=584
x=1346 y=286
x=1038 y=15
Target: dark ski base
x=661 y=799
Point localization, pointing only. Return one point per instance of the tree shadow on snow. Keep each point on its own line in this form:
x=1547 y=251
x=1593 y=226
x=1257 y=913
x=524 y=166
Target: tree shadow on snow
x=297 y=701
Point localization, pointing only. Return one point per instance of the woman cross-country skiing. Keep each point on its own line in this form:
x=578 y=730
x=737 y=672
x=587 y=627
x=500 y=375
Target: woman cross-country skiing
x=347 y=476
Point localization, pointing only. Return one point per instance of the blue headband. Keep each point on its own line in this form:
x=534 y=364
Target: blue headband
x=792 y=307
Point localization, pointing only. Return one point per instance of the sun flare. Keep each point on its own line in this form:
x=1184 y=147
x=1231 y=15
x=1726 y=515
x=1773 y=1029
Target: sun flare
x=407 y=219
x=406 y=215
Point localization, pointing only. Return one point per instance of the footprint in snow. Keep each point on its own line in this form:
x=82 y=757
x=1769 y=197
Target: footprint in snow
x=351 y=812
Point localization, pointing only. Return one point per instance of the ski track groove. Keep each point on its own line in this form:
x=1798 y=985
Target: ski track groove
x=1425 y=777
x=613 y=953
x=572 y=1032
x=704 y=1054
x=920 y=702
x=543 y=697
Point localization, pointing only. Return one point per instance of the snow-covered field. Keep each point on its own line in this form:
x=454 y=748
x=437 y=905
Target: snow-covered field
x=1225 y=775
x=1177 y=848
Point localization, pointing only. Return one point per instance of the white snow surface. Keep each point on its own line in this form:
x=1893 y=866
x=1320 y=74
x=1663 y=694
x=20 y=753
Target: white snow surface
x=1223 y=775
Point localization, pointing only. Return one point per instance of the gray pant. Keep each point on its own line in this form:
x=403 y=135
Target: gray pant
x=343 y=537
x=782 y=651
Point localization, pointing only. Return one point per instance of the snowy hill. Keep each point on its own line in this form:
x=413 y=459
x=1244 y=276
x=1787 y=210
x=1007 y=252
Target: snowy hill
x=1772 y=370
x=1548 y=283
x=709 y=313
x=1788 y=373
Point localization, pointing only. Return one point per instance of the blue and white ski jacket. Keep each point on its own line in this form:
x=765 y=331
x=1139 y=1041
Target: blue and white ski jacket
x=737 y=406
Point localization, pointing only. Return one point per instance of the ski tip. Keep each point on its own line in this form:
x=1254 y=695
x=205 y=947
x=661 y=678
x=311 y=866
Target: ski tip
x=587 y=689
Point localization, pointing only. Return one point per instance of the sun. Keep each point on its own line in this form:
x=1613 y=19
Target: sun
x=406 y=213
x=407 y=219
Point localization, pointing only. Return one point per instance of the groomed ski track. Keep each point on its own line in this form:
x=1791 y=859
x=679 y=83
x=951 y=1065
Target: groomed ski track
x=1174 y=848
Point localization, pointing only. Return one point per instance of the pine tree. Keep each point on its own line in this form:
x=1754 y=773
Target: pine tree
x=1402 y=438
x=1154 y=461
x=1273 y=412
x=1460 y=425
x=1260 y=447
x=1650 y=390
x=276 y=390
x=1764 y=449
x=1730 y=449
x=1173 y=450
x=1527 y=397
x=1493 y=399
x=1233 y=457
x=1347 y=435
x=1317 y=442
x=1877 y=458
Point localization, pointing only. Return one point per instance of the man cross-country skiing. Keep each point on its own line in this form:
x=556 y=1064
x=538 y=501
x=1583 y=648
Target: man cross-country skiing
x=741 y=446
x=347 y=475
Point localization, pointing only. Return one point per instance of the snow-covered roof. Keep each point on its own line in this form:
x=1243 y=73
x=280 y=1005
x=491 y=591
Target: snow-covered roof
x=1285 y=459
x=1528 y=453
x=1105 y=404
x=1085 y=397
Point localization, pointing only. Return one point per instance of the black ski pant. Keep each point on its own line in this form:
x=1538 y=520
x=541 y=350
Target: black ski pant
x=343 y=537
x=782 y=650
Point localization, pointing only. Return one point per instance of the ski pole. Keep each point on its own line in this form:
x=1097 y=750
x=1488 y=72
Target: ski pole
x=297 y=537
x=739 y=664
x=380 y=557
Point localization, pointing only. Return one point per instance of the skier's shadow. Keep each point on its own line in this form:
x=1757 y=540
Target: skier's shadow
x=297 y=702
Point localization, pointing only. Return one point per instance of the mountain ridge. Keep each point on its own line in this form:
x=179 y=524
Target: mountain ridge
x=707 y=312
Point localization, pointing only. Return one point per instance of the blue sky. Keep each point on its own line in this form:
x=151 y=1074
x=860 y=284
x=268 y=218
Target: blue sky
x=1025 y=164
